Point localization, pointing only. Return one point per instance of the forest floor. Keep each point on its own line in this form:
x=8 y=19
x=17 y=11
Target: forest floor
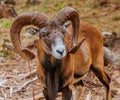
x=105 y=16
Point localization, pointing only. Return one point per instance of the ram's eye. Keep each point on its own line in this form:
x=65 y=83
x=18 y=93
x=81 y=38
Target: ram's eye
x=43 y=32
x=9 y=11
x=44 y=35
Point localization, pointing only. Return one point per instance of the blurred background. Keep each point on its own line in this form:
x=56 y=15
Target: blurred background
x=103 y=14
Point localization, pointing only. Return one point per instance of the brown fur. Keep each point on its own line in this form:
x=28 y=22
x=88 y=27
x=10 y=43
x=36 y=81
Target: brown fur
x=63 y=58
x=7 y=11
x=53 y=79
x=89 y=56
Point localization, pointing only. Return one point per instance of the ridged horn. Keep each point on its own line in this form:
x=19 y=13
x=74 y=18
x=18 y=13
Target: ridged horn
x=26 y=18
x=71 y=14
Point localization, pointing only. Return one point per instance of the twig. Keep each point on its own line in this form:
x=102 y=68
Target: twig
x=9 y=46
x=10 y=76
x=88 y=97
x=4 y=86
x=117 y=81
x=1 y=98
x=116 y=77
x=2 y=82
x=27 y=75
x=31 y=80
x=41 y=97
x=25 y=84
x=110 y=56
x=2 y=66
x=37 y=97
x=10 y=87
x=4 y=94
x=3 y=74
x=11 y=91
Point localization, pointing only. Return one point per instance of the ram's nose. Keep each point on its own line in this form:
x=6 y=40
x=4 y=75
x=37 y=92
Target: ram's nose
x=60 y=51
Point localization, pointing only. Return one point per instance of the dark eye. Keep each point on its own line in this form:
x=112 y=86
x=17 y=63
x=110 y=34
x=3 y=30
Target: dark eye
x=44 y=35
x=63 y=32
x=9 y=11
x=43 y=32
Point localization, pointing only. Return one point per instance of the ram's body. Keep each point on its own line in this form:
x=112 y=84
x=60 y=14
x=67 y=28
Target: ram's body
x=90 y=51
x=88 y=55
x=63 y=56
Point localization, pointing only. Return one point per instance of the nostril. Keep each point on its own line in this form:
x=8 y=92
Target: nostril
x=60 y=51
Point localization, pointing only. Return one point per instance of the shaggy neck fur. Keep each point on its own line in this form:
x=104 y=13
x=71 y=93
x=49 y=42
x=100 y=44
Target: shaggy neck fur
x=52 y=73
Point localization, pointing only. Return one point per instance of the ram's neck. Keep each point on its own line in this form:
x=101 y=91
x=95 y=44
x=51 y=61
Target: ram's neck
x=52 y=70
x=50 y=63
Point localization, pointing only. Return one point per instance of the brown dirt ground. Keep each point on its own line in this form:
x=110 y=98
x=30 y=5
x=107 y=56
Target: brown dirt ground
x=105 y=17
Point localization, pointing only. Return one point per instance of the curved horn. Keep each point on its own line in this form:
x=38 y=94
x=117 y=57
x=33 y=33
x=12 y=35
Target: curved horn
x=26 y=18
x=66 y=14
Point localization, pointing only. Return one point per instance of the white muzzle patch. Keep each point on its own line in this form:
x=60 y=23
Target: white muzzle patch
x=58 y=49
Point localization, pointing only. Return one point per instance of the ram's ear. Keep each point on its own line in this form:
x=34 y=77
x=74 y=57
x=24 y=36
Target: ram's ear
x=2 y=3
x=77 y=46
x=1 y=7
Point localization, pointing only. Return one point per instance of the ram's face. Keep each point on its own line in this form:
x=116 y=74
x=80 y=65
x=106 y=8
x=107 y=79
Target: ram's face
x=9 y=11
x=53 y=37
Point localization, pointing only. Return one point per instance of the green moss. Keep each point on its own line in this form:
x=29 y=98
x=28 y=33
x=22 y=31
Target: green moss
x=117 y=1
x=5 y=23
x=4 y=52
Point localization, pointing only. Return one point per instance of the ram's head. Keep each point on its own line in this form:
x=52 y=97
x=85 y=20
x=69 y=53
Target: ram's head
x=51 y=32
x=7 y=10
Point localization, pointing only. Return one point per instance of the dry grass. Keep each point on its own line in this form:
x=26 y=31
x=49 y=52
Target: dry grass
x=104 y=17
